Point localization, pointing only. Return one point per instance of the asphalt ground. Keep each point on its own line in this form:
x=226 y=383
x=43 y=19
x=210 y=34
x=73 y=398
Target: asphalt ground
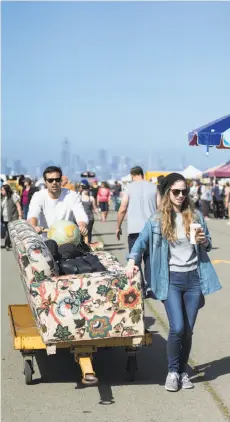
x=57 y=393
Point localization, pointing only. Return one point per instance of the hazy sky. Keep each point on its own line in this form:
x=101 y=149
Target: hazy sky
x=131 y=77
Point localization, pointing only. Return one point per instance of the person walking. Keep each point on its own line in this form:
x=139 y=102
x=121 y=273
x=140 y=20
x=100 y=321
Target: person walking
x=181 y=273
x=116 y=191
x=216 y=197
x=206 y=198
x=89 y=205
x=11 y=210
x=27 y=193
x=56 y=203
x=65 y=183
x=139 y=202
x=103 y=200
x=227 y=201
x=195 y=192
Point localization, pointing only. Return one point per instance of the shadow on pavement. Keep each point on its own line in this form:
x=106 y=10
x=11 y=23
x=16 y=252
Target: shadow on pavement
x=212 y=370
x=104 y=234
x=114 y=247
x=109 y=365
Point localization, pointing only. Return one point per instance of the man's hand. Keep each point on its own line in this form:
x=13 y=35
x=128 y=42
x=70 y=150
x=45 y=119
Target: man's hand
x=200 y=237
x=83 y=228
x=38 y=229
x=118 y=233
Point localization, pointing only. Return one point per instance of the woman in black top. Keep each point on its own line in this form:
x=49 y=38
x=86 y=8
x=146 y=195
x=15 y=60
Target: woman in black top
x=89 y=205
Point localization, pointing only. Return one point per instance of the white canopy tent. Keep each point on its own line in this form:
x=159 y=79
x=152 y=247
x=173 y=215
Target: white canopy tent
x=40 y=183
x=191 y=173
x=127 y=179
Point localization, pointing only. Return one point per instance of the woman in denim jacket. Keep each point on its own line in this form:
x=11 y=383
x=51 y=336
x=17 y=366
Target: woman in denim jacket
x=181 y=273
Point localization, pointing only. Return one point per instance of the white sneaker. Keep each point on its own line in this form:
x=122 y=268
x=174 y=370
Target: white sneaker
x=172 y=381
x=185 y=381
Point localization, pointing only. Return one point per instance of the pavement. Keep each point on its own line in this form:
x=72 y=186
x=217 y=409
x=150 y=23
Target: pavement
x=57 y=394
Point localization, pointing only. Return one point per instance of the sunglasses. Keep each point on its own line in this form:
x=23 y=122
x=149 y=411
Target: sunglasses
x=54 y=179
x=176 y=192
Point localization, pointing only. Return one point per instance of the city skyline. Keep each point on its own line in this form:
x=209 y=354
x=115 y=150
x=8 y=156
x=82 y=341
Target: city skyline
x=105 y=165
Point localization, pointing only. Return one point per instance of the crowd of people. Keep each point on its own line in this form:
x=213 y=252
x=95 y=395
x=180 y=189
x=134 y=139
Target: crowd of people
x=212 y=199
x=177 y=271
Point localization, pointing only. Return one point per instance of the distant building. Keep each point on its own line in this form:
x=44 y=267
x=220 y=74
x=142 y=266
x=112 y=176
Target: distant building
x=65 y=157
x=115 y=164
x=17 y=167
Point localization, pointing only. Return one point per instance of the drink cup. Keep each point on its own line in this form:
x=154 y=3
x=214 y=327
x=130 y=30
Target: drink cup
x=193 y=229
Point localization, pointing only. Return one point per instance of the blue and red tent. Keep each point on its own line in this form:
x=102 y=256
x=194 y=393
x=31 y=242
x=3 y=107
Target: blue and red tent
x=214 y=134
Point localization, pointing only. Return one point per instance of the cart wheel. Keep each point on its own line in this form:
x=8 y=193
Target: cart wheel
x=131 y=367
x=28 y=371
x=90 y=379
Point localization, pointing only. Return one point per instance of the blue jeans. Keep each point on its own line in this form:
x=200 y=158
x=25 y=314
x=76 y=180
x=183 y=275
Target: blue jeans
x=25 y=211
x=116 y=203
x=181 y=305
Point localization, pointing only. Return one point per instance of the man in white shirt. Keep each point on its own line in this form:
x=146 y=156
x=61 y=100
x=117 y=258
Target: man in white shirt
x=55 y=203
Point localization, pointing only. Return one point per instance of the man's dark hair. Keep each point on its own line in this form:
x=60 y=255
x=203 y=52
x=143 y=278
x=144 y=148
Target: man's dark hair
x=159 y=181
x=160 y=178
x=52 y=169
x=137 y=171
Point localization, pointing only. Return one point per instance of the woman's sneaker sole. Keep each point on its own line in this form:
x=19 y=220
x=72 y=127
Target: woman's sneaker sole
x=171 y=389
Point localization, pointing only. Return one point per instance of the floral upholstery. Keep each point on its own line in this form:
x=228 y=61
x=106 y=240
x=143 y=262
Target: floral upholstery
x=76 y=307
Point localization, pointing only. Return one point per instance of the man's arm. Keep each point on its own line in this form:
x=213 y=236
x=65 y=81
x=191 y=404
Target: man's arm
x=19 y=209
x=94 y=204
x=158 y=199
x=121 y=213
x=34 y=212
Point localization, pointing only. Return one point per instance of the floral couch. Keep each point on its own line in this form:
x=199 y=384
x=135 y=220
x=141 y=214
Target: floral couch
x=76 y=307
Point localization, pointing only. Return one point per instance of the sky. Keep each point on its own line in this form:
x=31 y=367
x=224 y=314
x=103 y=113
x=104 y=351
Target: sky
x=133 y=78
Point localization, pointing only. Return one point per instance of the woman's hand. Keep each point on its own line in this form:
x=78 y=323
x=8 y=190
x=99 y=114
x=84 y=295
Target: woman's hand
x=200 y=237
x=131 y=269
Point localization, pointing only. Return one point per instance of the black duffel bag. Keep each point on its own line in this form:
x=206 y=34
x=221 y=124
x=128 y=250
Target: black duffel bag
x=71 y=250
x=81 y=265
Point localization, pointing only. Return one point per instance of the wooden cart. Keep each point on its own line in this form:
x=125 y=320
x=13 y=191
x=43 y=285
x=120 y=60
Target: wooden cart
x=27 y=339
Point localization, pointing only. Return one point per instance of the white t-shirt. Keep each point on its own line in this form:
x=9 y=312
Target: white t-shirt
x=47 y=210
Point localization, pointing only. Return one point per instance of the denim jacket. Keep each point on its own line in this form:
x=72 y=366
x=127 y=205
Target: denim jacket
x=159 y=250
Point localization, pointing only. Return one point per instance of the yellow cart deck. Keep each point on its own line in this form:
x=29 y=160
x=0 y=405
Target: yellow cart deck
x=27 y=339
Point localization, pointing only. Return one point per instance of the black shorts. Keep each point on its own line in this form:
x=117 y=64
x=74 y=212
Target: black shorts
x=104 y=206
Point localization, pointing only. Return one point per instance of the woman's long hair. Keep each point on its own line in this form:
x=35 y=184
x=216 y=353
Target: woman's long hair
x=168 y=216
x=8 y=190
